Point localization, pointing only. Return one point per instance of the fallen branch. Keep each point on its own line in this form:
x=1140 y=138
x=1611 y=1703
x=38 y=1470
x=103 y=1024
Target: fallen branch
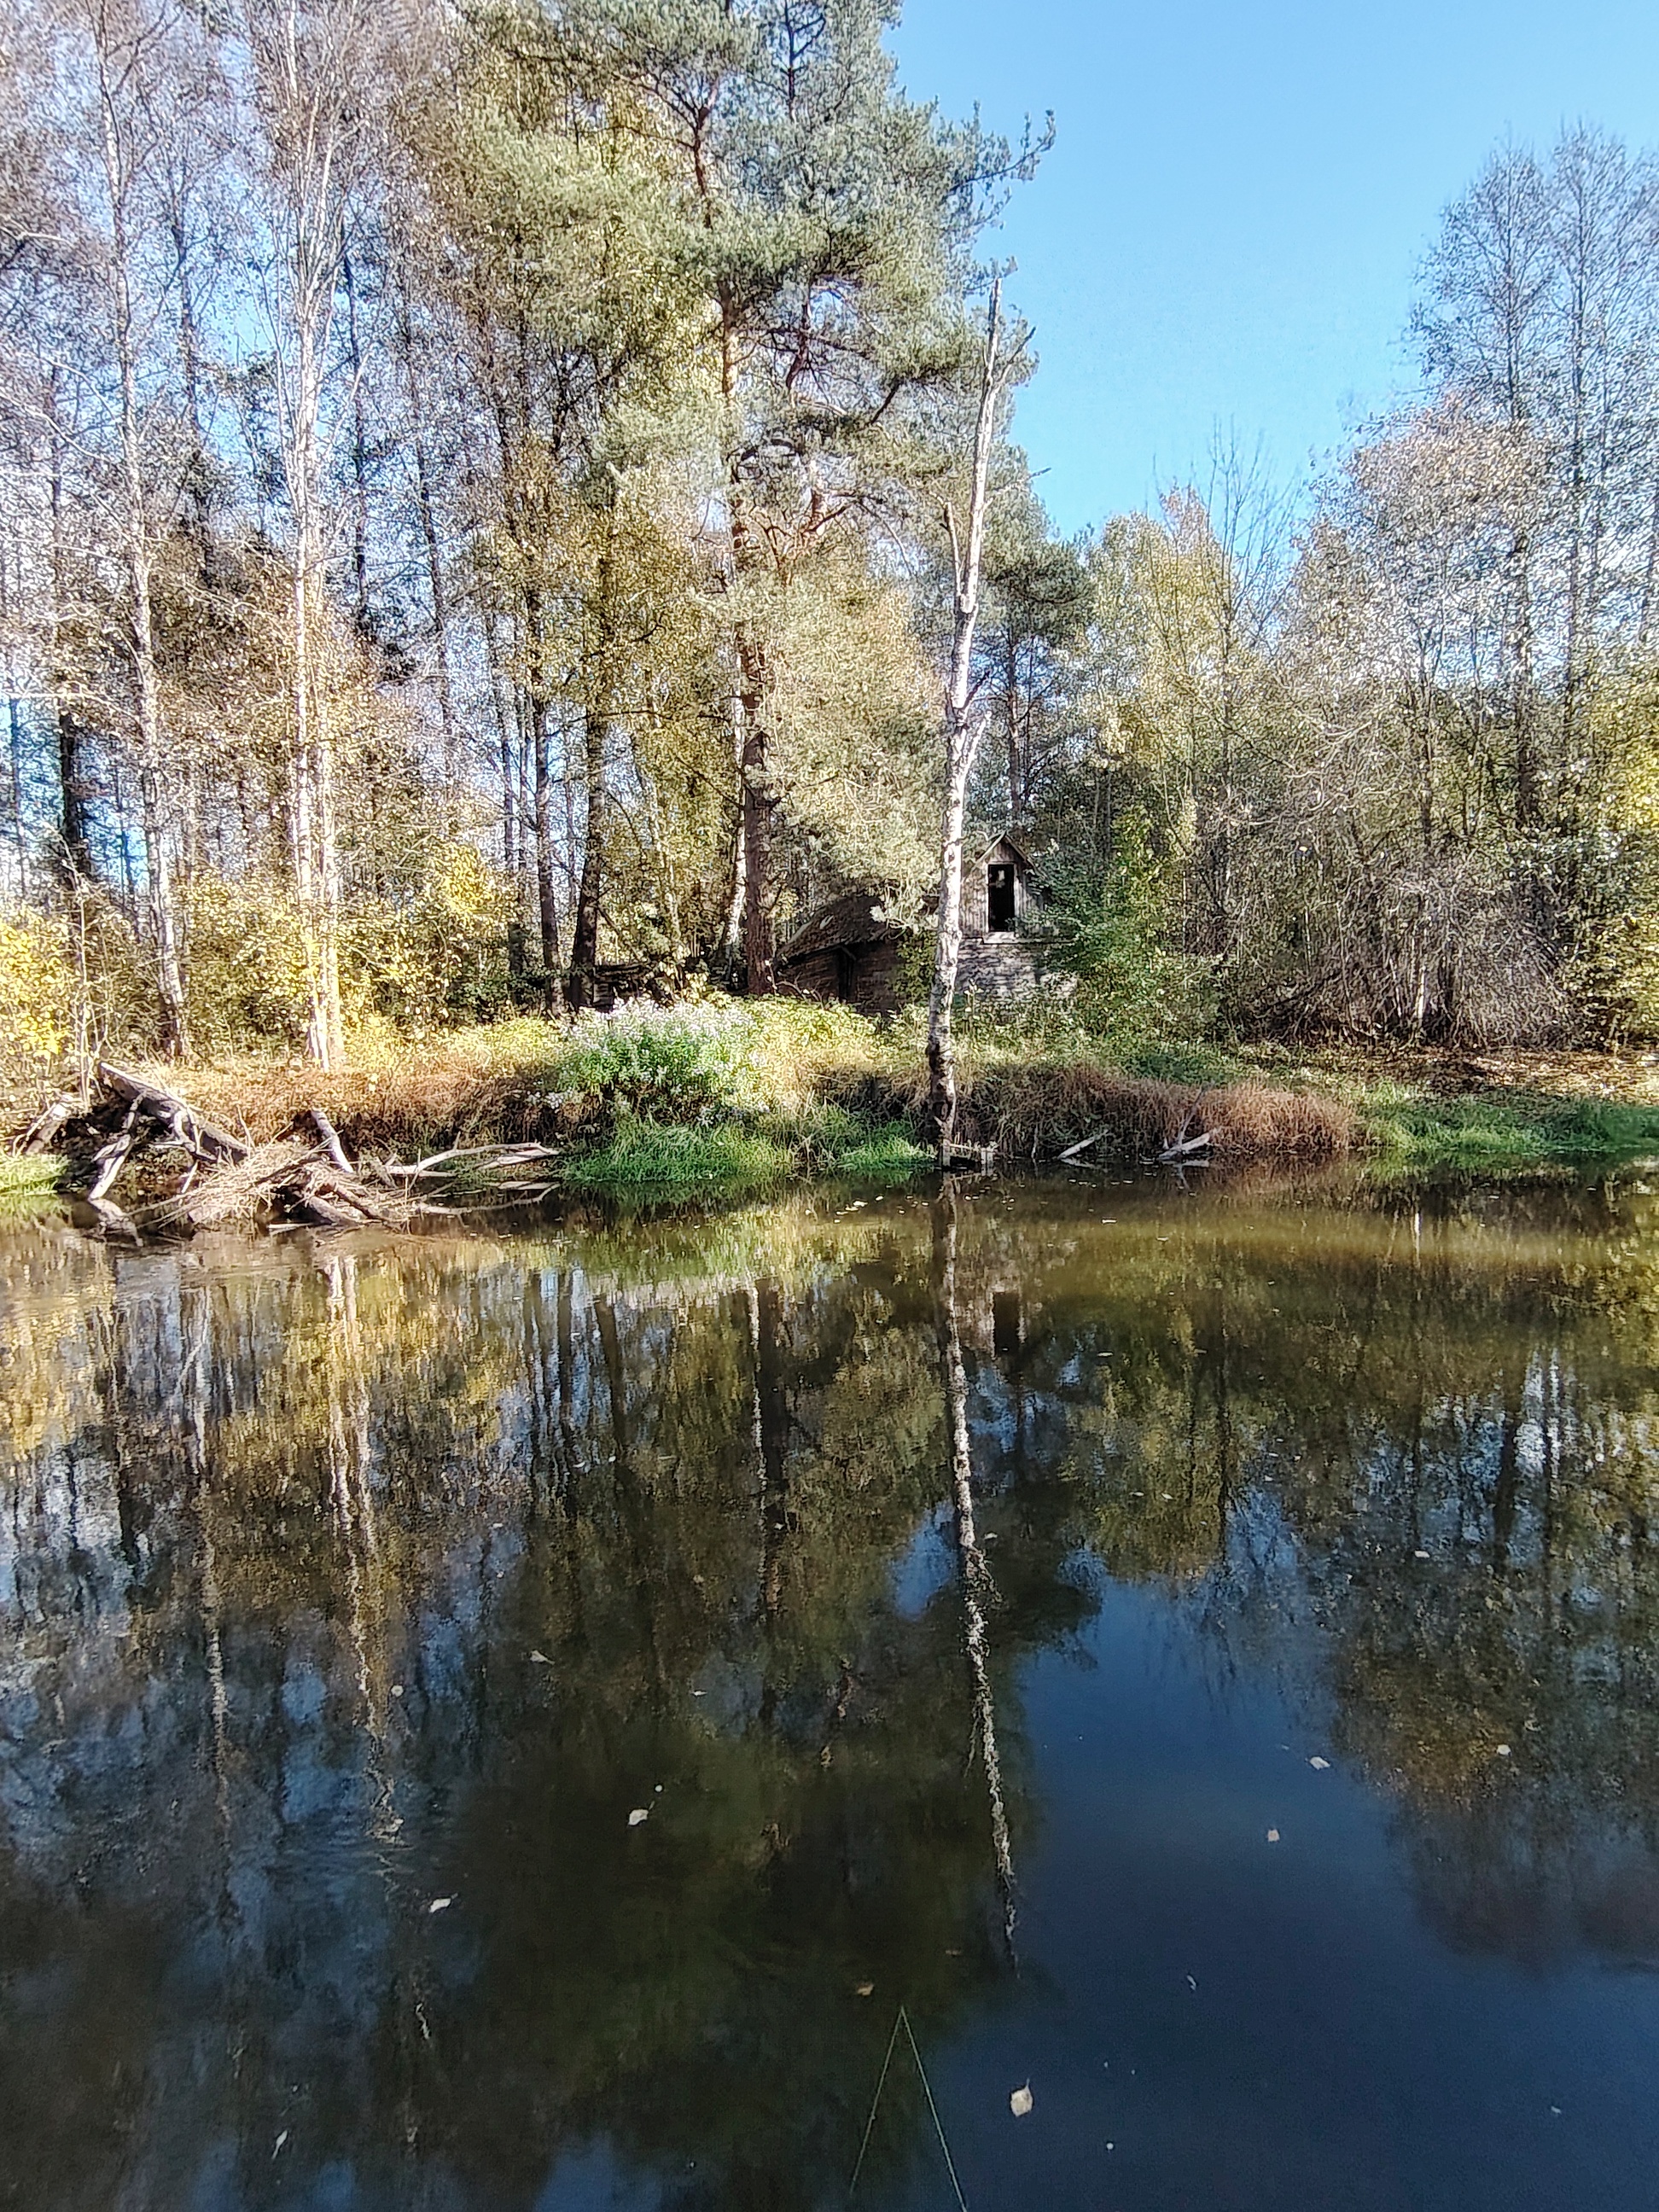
x=332 y=1143
x=112 y=1157
x=1071 y=1151
x=483 y=1159
x=1186 y=1148
x=38 y=1137
x=173 y=1114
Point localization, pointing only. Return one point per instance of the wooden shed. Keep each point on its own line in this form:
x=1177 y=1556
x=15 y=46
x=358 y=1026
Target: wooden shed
x=852 y=950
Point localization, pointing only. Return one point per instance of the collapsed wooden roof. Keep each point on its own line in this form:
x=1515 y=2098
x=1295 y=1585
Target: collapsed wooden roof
x=856 y=918
x=874 y=917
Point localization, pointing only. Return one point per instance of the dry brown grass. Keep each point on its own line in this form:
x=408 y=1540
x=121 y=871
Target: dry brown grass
x=403 y=1107
x=1038 y=1109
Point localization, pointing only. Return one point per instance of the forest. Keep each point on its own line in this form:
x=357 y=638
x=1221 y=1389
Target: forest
x=491 y=524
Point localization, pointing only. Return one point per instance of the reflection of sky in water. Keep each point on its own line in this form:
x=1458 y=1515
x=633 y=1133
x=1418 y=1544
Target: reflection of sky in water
x=340 y=1580
x=926 y=1565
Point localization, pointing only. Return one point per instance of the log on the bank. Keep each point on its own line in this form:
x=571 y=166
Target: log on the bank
x=172 y=1114
x=109 y=1159
x=38 y=1137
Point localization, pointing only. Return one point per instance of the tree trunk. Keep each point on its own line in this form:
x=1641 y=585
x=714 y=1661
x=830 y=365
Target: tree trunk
x=962 y=733
x=158 y=884
x=596 y=734
x=754 y=769
x=731 y=930
x=541 y=750
x=759 y=949
x=585 y=935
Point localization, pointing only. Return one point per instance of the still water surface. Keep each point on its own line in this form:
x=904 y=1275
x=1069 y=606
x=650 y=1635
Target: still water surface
x=1279 y=1800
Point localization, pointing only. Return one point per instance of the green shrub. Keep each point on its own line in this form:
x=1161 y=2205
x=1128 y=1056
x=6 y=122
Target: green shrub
x=1111 y=929
x=1507 y=1133
x=888 y=1154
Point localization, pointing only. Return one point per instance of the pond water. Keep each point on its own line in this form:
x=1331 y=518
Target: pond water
x=1267 y=1780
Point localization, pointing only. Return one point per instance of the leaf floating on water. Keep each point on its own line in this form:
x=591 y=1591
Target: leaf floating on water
x=1021 y=2102
x=866 y=1989
x=639 y=1813
x=1319 y=1766
x=441 y=1905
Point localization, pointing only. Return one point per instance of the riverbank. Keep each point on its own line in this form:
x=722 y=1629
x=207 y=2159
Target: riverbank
x=724 y=1096
x=730 y=1095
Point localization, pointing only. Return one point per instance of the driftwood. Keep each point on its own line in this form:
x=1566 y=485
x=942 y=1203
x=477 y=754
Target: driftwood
x=1186 y=1150
x=298 y=1178
x=167 y=1111
x=305 y=1176
x=332 y=1143
x=38 y=1137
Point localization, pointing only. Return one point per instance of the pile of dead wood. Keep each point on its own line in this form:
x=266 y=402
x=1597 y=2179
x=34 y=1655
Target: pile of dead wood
x=198 y=1175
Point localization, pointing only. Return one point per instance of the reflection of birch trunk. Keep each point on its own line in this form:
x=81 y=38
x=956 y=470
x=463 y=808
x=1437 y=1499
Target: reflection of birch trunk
x=349 y=1454
x=193 y=1390
x=978 y=1589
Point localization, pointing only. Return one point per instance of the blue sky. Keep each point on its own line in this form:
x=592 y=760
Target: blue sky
x=1227 y=230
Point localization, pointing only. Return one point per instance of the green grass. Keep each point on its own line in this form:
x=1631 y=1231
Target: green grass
x=650 y=1159
x=26 y=1180
x=644 y=1159
x=890 y=1154
x=1497 y=1133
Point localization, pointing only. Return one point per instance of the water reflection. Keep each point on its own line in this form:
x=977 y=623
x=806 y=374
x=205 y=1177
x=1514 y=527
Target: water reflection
x=340 y=1578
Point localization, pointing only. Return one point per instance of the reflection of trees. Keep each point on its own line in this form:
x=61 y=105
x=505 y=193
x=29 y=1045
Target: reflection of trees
x=1411 y=1463
x=979 y=1592
x=299 y=1526
x=335 y=1578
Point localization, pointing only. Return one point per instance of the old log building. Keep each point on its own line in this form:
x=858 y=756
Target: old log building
x=853 y=950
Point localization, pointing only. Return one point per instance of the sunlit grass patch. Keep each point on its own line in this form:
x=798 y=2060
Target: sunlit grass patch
x=889 y=1154
x=26 y=1178
x=1506 y=1133
x=645 y=1157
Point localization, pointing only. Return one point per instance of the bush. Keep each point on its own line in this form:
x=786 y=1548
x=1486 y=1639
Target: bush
x=1110 y=926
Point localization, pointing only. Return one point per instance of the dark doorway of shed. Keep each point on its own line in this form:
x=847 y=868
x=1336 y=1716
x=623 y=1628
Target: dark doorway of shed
x=999 y=899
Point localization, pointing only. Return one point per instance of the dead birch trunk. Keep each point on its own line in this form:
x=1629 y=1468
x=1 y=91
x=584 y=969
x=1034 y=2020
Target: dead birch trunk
x=962 y=731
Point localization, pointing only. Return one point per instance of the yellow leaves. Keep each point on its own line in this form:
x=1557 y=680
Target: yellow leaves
x=36 y=984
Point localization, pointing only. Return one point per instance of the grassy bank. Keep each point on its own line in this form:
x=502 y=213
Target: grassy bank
x=723 y=1094
x=1499 y=1135
x=726 y=1097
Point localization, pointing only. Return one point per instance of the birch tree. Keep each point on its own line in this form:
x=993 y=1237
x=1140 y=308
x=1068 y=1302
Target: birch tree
x=316 y=67
x=964 y=726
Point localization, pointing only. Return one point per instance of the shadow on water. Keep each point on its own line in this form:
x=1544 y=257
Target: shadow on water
x=959 y=1587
